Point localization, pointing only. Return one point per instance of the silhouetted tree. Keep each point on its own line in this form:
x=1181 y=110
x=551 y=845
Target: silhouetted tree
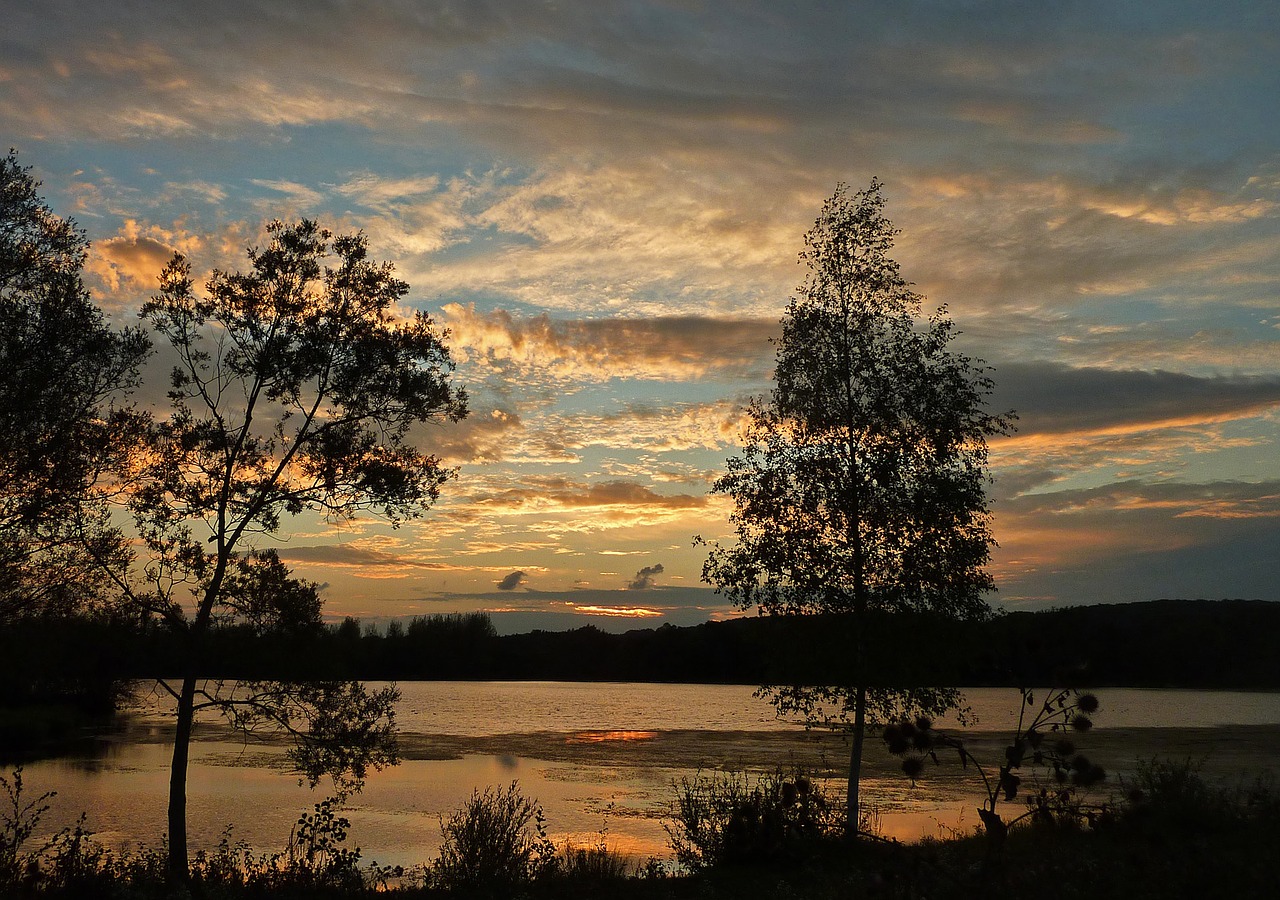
x=62 y=442
x=860 y=490
x=296 y=388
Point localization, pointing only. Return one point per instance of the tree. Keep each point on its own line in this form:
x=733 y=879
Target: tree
x=296 y=389
x=860 y=491
x=63 y=434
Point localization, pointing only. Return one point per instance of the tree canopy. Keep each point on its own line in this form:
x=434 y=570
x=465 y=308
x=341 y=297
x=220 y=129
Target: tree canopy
x=64 y=430
x=298 y=386
x=861 y=486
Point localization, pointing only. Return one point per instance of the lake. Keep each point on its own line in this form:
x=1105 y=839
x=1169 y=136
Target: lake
x=601 y=759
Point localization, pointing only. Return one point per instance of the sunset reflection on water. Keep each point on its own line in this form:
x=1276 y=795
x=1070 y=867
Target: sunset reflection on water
x=560 y=742
x=602 y=737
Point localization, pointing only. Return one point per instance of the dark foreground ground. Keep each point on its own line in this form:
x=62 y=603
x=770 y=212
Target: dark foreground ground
x=1125 y=863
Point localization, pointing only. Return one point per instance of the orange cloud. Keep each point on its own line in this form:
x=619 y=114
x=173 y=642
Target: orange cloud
x=657 y=349
x=135 y=256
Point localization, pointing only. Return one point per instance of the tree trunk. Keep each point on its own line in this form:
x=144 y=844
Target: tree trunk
x=855 y=764
x=179 y=865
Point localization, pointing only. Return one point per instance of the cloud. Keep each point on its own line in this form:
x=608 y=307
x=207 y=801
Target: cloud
x=1170 y=499
x=609 y=609
x=1053 y=543
x=1001 y=242
x=670 y=428
x=546 y=494
x=703 y=141
x=1106 y=424
x=484 y=436
x=301 y=195
x=134 y=257
x=624 y=612
x=644 y=578
x=1104 y=200
x=372 y=562
x=1137 y=540
x=658 y=349
x=511 y=582
x=1054 y=400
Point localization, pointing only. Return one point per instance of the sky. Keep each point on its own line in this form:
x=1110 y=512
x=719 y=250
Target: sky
x=604 y=203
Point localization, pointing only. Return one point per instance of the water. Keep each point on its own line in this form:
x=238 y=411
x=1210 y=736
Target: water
x=600 y=758
x=476 y=708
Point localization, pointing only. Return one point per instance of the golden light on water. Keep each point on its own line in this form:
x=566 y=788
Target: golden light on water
x=602 y=737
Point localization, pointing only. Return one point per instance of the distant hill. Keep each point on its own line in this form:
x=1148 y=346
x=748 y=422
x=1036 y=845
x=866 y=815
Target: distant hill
x=1160 y=643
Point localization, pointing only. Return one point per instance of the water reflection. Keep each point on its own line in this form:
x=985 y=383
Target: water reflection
x=612 y=768
x=602 y=737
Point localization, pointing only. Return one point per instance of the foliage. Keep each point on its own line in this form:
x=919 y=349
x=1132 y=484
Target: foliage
x=723 y=819
x=495 y=843
x=316 y=850
x=1041 y=744
x=298 y=386
x=861 y=484
x=64 y=438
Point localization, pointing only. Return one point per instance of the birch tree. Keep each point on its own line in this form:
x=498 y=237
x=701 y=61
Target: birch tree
x=860 y=490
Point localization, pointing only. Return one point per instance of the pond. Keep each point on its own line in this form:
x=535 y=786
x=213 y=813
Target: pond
x=602 y=759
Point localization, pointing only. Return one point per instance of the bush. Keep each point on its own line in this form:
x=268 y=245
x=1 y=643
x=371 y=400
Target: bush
x=1173 y=796
x=722 y=819
x=496 y=842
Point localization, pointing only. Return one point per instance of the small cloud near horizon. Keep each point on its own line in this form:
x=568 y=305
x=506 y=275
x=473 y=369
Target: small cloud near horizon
x=511 y=582
x=644 y=578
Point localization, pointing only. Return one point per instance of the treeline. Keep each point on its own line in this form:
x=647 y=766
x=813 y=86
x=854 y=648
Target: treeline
x=1166 y=643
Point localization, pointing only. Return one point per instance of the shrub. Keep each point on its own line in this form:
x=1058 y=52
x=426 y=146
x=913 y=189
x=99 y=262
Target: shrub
x=496 y=842
x=722 y=819
x=1174 y=796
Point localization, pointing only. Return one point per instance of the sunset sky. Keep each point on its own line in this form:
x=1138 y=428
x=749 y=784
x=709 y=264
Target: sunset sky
x=604 y=203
